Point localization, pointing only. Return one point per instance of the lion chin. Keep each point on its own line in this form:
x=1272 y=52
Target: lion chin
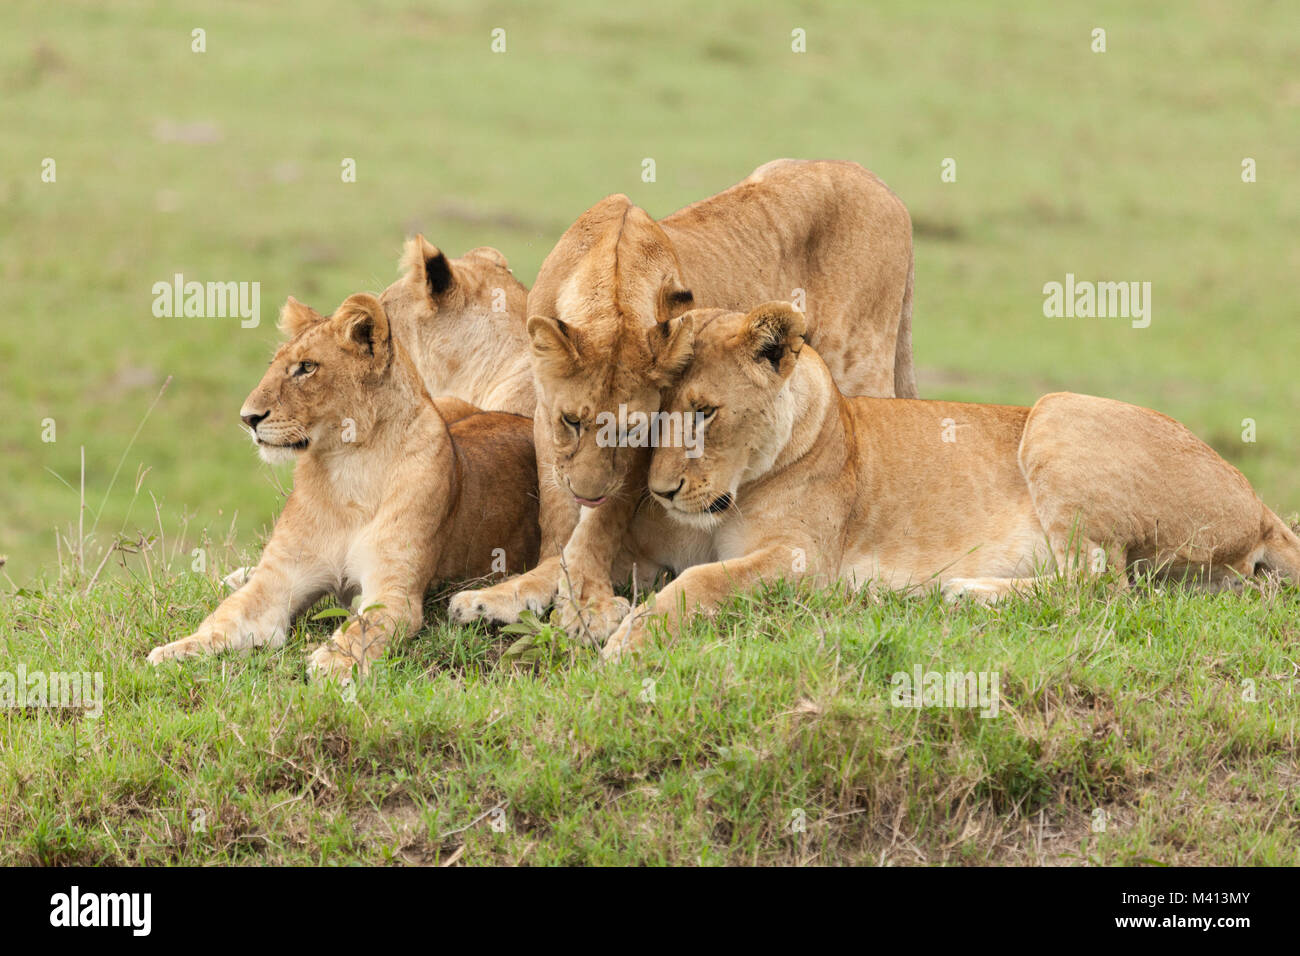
x=278 y=454
x=703 y=520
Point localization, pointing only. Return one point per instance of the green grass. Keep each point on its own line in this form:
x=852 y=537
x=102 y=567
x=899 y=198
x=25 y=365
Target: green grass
x=1133 y=705
x=226 y=166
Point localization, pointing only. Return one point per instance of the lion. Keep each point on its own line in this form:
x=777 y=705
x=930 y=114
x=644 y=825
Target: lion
x=796 y=480
x=462 y=321
x=392 y=492
x=608 y=332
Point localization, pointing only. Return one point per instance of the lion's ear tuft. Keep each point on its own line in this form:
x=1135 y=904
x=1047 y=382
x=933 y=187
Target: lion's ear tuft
x=296 y=318
x=426 y=264
x=672 y=344
x=774 y=333
x=554 y=350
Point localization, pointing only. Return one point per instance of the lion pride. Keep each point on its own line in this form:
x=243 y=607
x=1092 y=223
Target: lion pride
x=608 y=333
x=795 y=480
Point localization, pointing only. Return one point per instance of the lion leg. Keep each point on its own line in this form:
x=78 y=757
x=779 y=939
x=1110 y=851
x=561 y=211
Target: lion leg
x=1073 y=556
x=904 y=368
x=393 y=576
x=258 y=614
x=697 y=590
x=503 y=603
x=587 y=606
x=396 y=612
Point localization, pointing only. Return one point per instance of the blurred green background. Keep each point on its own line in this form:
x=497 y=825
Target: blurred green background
x=225 y=166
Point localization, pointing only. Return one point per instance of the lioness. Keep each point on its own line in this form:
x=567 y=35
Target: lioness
x=392 y=491
x=462 y=322
x=797 y=480
x=608 y=333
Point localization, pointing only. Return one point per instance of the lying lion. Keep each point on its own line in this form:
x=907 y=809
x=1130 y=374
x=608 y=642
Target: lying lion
x=462 y=322
x=392 y=491
x=607 y=332
x=797 y=480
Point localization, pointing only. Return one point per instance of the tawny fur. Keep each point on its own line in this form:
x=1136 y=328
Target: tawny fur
x=605 y=331
x=462 y=322
x=977 y=500
x=392 y=492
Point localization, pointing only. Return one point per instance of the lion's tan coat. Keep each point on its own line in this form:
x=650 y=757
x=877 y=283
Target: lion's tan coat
x=976 y=500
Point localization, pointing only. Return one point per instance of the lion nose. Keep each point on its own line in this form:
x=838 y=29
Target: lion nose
x=252 y=420
x=671 y=492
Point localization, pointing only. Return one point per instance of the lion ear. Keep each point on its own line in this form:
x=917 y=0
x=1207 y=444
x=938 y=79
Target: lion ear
x=363 y=326
x=774 y=334
x=494 y=256
x=674 y=299
x=553 y=349
x=672 y=344
x=426 y=264
x=296 y=318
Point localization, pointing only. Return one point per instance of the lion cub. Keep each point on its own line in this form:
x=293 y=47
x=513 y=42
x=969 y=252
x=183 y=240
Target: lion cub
x=794 y=479
x=392 y=491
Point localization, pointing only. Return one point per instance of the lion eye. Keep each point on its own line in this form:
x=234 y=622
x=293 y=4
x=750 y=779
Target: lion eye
x=572 y=421
x=303 y=369
x=707 y=411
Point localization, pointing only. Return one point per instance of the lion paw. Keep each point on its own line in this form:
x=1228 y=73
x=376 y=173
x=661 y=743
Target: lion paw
x=237 y=578
x=626 y=640
x=976 y=589
x=192 y=646
x=502 y=603
x=592 y=619
x=329 y=662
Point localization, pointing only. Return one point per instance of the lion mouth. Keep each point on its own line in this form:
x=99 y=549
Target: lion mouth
x=708 y=517
x=719 y=504
x=595 y=502
x=293 y=446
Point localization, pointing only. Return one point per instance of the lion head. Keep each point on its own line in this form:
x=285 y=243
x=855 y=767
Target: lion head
x=611 y=338
x=442 y=306
x=324 y=387
x=735 y=393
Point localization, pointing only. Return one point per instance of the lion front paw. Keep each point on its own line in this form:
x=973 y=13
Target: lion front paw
x=330 y=662
x=591 y=619
x=192 y=646
x=626 y=640
x=503 y=603
x=237 y=578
